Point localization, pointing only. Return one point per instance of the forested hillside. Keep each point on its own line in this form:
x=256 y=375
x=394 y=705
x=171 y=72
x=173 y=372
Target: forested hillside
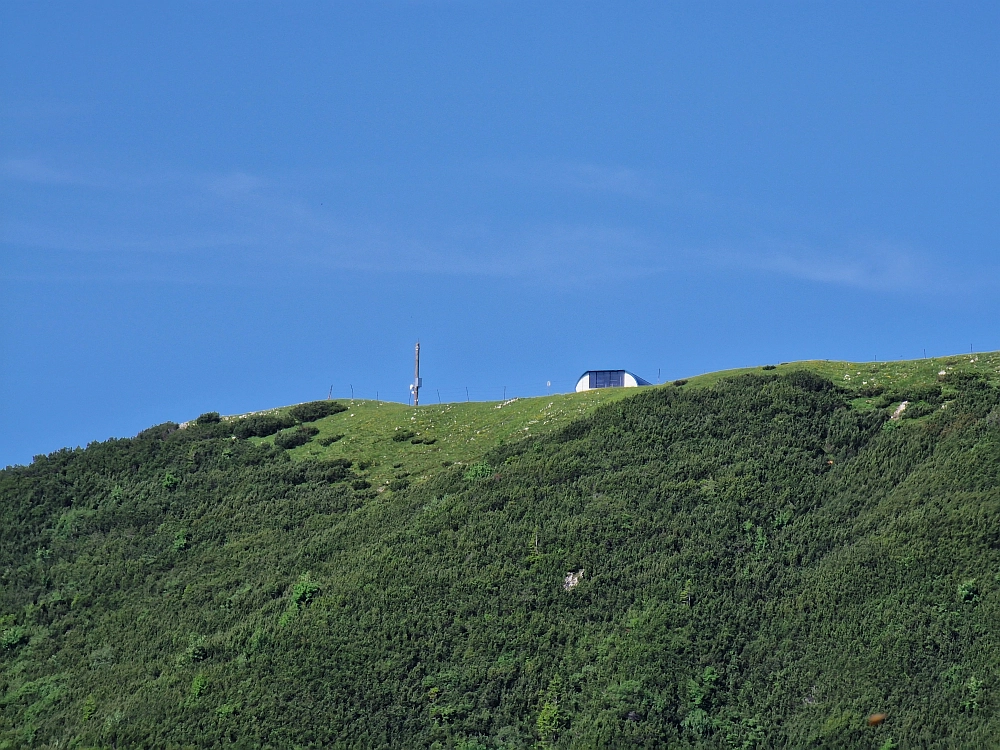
x=765 y=560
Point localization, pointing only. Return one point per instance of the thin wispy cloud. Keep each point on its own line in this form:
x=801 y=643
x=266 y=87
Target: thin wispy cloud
x=37 y=173
x=581 y=177
x=253 y=227
x=875 y=266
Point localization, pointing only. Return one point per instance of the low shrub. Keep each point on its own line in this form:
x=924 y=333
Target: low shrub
x=295 y=438
x=11 y=638
x=334 y=471
x=313 y=410
x=261 y=425
x=479 y=471
x=158 y=432
x=330 y=439
x=209 y=417
x=917 y=410
x=679 y=383
x=769 y=367
x=304 y=590
x=930 y=394
x=401 y=436
x=397 y=485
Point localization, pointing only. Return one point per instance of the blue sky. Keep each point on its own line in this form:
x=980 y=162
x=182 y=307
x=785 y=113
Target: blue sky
x=235 y=205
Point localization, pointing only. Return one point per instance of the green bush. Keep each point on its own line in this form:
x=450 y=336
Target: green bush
x=917 y=410
x=478 y=472
x=295 y=438
x=11 y=638
x=209 y=417
x=314 y=410
x=399 y=484
x=261 y=425
x=304 y=590
x=330 y=439
x=401 y=436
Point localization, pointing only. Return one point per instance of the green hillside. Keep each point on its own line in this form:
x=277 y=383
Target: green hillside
x=755 y=559
x=387 y=441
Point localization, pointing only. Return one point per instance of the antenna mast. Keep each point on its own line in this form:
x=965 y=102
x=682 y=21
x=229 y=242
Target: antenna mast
x=417 y=382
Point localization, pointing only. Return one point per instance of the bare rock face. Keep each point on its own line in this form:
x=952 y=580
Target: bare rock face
x=572 y=579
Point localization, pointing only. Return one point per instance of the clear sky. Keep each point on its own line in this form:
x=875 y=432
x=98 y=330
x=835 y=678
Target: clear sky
x=230 y=206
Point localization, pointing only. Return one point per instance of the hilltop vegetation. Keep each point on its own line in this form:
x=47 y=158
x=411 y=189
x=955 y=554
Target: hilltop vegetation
x=758 y=560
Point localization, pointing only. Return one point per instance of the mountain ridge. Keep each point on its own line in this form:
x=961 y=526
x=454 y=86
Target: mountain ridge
x=765 y=559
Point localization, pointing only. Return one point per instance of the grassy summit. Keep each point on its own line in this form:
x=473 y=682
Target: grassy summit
x=747 y=560
x=392 y=441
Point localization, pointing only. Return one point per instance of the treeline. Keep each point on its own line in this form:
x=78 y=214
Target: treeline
x=755 y=565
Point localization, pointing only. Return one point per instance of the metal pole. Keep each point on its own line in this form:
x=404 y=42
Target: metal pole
x=416 y=375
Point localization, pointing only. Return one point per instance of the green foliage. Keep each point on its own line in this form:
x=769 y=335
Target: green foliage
x=549 y=720
x=697 y=722
x=170 y=481
x=261 y=425
x=294 y=438
x=968 y=591
x=198 y=686
x=196 y=651
x=402 y=436
x=918 y=410
x=89 y=709
x=304 y=590
x=478 y=471
x=11 y=638
x=973 y=694
x=211 y=417
x=330 y=439
x=313 y=410
x=765 y=566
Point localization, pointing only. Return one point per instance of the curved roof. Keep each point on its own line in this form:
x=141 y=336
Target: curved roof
x=638 y=380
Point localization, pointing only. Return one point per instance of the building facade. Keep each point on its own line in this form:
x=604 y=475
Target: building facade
x=592 y=379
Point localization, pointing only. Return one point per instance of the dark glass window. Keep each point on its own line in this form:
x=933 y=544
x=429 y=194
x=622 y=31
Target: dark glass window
x=607 y=378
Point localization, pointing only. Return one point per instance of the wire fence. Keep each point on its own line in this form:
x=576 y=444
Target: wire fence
x=430 y=394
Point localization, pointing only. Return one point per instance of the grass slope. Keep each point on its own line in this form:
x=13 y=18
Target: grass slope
x=763 y=560
x=461 y=432
x=891 y=374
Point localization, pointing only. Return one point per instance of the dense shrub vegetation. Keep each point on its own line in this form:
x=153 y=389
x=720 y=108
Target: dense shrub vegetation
x=261 y=425
x=294 y=438
x=755 y=565
x=314 y=410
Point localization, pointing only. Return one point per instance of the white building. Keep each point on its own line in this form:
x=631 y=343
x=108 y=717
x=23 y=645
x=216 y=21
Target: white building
x=608 y=379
